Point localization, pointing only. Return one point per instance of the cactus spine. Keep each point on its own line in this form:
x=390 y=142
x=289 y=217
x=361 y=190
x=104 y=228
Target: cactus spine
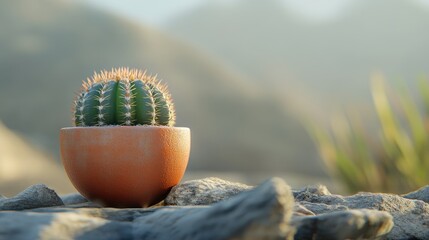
x=123 y=97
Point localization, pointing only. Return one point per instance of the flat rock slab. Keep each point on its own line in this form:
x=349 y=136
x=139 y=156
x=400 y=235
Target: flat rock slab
x=353 y=224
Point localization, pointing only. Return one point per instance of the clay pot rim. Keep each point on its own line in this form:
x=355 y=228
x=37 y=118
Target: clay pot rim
x=125 y=127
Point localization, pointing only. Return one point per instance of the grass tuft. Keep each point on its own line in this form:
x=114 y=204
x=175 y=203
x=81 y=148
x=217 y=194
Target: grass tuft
x=393 y=157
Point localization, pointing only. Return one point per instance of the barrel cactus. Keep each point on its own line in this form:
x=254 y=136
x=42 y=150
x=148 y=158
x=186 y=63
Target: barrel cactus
x=123 y=97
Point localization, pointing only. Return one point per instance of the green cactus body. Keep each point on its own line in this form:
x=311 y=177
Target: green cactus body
x=123 y=97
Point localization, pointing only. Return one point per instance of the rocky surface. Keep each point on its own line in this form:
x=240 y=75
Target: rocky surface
x=204 y=192
x=212 y=208
x=250 y=215
x=353 y=224
x=411 y=217
x=420 y=194
x=73 y=198
x=262 y=213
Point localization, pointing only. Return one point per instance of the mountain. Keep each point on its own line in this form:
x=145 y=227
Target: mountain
x=48 y=47
x=322 y=65
x=22 y=165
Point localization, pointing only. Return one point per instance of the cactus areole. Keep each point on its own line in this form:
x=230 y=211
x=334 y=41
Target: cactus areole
x=124 y=150
x=123 y=96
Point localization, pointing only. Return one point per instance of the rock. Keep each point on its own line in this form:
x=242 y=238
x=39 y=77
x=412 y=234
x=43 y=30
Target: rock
x=420 y=194
x=300 y=210
x=321 y=208
x=22 y=225
x=261 y=213
x=411 y=217
x=353 y=224
x=36 y=196
x=226 y=211
x=319 y=190
x=73 y=198
x=203 y=192
x=46 y=225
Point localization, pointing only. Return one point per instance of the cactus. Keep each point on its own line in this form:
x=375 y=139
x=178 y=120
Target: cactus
x=123 y=97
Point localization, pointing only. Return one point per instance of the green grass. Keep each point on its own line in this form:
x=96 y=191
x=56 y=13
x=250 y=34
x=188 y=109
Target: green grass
x=393 y=157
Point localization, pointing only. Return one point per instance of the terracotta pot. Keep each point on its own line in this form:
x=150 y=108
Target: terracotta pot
x=125 y=166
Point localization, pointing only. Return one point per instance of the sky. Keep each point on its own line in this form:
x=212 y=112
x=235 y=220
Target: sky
x=157 y=13
x=149 y=12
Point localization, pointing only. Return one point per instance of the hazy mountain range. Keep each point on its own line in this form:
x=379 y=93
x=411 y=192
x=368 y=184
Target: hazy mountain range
x=317 y=65
x=48 y=47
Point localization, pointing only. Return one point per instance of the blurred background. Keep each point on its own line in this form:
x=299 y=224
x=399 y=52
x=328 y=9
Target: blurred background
x=258 y=83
